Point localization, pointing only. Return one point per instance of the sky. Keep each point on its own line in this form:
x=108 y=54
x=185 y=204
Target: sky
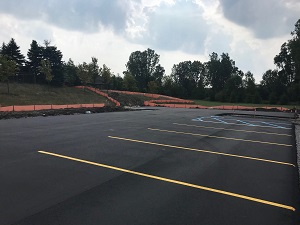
x=250 y=31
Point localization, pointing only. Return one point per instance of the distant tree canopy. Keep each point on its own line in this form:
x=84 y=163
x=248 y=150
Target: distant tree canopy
x=283 y=84
x=190 y=77
x=218 y=79
x=144 y=67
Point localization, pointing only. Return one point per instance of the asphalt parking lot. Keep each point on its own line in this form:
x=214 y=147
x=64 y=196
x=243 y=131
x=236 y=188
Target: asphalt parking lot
x=165 y=166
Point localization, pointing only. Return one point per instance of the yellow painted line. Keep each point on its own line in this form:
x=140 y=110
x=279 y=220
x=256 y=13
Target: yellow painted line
x=219 y=128
x=219 y=137
x=245 y=197
x=204 y=151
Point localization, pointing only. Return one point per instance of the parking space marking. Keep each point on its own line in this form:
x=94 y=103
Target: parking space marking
x=231 y=194
x=220 y=137
x=204 y=151
x=272 y=124
x=253 y=121
x=215 y=118
x=220 y=128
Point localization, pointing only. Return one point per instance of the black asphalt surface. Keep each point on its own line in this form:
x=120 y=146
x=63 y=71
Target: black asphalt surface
x=219 y=155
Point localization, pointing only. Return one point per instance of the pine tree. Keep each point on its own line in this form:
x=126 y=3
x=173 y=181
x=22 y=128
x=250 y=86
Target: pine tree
x=12 y=50
x=3 y=49
x=35 y=54
x=54 y=56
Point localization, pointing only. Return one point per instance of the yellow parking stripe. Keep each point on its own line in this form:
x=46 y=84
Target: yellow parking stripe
x=219 y=137
x=220 y=128
x=203 y=151
x=270 y=203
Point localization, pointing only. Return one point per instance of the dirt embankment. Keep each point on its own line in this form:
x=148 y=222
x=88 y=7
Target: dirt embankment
x=129 y=100
x=57 y=112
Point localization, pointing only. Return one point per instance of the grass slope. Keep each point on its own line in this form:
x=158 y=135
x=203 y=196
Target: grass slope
x=211 y=104
x=34 y=94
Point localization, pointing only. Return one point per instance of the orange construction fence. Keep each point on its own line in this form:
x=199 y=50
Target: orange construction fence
x=100 y=93
x=145 y=94
x=172 y=101
x=223 y=107
x=188 y=106
x=20 y=108
x=238 y=107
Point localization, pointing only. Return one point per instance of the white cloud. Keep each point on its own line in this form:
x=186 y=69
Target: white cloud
x=265 y=18
x=169 y=25
x=178 y=30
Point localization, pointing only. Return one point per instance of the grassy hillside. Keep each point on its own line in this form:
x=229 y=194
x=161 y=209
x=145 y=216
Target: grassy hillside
x=211 y=104
x=30 y=94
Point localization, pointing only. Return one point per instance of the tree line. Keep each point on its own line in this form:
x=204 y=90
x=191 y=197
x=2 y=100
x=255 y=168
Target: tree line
x=218 y=79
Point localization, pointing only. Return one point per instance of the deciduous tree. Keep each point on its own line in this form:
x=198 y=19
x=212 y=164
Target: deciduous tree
x=8 y=67
x=130 y=84
x=70 y=73
x=144 y=67
x=83 y=73
x=45 y=69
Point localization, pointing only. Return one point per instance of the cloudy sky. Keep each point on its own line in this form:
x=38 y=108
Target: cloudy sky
x=251 y=31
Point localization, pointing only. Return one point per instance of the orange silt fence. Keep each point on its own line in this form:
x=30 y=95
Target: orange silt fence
x=145 y=94
x=101 y=93
x=59 y=106
x=19 y=108
x=42 y=107
x=22 y=108
x=7 y=109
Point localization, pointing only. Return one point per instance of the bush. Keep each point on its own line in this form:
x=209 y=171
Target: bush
x=284 y=99
x=257 y=99
x=220 y=96
x=273 y=98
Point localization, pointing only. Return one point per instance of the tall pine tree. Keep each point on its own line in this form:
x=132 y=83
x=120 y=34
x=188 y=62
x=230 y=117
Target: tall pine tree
x=35 y=55
x=12 y=50
x=54 y=56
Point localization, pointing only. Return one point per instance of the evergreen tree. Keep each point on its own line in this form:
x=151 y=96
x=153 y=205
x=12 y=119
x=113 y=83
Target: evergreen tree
x=3 y=49
x=35 y=55
x=54 y=56
x=94 y=69
x=105 y=74
x=12 y=50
